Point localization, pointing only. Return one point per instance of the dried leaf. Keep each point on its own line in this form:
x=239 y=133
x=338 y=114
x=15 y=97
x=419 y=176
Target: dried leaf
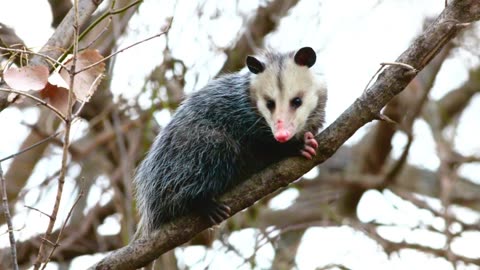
x=86 y=82
x=56 y=96
x=26 y=78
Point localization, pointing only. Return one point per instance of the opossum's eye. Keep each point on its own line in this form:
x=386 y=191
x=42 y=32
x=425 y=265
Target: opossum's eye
x=270 y=104
x=296 y=102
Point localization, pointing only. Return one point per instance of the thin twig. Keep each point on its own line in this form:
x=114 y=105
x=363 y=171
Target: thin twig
x=32 y=146
x=34 y=53
x=39 y=100
x=59 y=237
x=15 y=230
x=48 y=241
x=383 y=117
x=122 y=50
x=96 y=22
x=107 y=25
x=38 y=210
x=8 y=218
x=334 y=266
x=383 y=64
x=467 y=159
x=66 y=143
x=371 y=79
x=407 y=66
x=97 y=37
x=110 y=14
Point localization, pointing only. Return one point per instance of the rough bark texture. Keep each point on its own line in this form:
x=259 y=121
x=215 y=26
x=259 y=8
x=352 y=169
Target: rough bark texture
x=365 y=109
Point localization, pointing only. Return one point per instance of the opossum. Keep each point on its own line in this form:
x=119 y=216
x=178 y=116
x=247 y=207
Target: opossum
x=235 y=126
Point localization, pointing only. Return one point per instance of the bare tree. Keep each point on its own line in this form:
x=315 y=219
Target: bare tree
x=85 y=43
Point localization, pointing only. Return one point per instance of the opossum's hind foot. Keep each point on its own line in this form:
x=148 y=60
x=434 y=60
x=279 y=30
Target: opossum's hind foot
x=216 y=212
x=310 y=146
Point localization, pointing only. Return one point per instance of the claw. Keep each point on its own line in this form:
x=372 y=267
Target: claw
x=313 y=143
x=212 y=220
x=308 y=135
x=306 y=154
x=310 y=150
x=217 y=212
x=215 y=218
x=310 y=146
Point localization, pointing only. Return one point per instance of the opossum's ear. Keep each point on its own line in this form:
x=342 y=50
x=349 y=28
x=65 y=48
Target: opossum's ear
x=305 y=57
x=255 y=65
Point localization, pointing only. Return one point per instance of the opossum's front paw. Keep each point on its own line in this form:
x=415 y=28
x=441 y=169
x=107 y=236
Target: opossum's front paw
x=310 y=146
x=216 y=212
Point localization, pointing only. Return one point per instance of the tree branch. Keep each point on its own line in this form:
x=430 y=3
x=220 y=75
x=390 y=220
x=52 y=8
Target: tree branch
x=13 y=246
x=78 y=239
x=389 y=83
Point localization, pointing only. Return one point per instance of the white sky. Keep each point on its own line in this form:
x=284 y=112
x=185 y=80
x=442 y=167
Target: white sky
x=352 y=37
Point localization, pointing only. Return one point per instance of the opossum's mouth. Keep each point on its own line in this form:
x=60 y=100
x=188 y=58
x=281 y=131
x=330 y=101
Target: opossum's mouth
x=283 y=133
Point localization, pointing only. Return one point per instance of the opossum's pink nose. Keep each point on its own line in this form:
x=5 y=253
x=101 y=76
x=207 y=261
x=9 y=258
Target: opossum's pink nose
x=281 y=134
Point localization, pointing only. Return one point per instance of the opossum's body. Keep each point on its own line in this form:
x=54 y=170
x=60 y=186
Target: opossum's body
x=221 y=135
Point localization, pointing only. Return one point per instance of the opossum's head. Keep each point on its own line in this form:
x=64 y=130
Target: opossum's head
x=285 y=91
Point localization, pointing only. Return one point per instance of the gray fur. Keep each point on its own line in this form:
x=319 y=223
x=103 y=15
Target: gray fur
x=216 y=139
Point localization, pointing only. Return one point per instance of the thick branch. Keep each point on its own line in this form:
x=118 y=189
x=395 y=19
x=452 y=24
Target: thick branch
x=390 y=82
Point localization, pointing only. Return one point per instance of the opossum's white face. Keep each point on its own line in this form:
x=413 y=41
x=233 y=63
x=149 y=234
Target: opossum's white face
x=285 y=91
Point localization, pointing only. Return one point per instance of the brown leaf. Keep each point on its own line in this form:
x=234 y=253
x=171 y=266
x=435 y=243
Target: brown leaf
x=26 y=78
x=85 y=82
x=56 y=96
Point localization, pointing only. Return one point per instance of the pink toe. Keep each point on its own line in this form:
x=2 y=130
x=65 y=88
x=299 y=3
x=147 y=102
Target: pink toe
x=310 y=150
x=312 y=142
x=308 y=135
x=306 y=154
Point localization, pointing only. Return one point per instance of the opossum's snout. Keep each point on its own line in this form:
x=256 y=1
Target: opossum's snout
x=282 y=132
